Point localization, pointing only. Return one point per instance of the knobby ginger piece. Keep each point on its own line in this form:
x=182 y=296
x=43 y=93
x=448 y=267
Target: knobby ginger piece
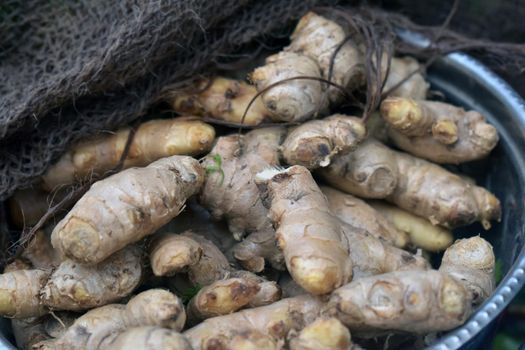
x=415 y=87
x=221 y=298
x=125 y=207
x=310 y=236
x=438 y=131
x=146 y=338
x=323 y=334
x=274 y=320
x=153 y=140
x=73 y=286
x=294 y=100
x=19 y=293
x=220 y=98
x=314 y=143
x=154 y=307
x=171 y=254
x=319 y=37
x=41 y=253
x=422 y=233
x=360 y=215
x=418 y=186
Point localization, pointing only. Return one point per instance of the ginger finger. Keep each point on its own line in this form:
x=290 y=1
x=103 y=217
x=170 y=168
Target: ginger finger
x=359 y=214
x=257 y=248
x=170 y=254
x=323 y=334
x=314 y=143
x=222 y=99
x=415 y=87
x=153 y=140
x=146 y=338
x=295 y=100
x=438 y=131
x=19 y=293
x=251 y=340
x=422 y=233
x=312 y=241
x=221 y=298
x=274 y=320
x=76 y=287
x=125 y=207
x=413 y=184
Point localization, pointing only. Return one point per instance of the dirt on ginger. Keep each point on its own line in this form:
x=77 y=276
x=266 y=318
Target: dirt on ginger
x=314 y=143
x=126 y=207
x=153 y=140
x=438 y=131
x=413 y=184
x=222 y=99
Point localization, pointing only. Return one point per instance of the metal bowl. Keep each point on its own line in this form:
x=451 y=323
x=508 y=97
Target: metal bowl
x=466 y=82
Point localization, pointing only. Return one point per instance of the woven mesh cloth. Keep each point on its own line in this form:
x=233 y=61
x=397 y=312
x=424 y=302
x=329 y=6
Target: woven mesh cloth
x=72 y=68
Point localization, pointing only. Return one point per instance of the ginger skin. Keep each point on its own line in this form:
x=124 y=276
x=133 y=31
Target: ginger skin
x=312 y=241
x=422 y=233
x=323 y=334
x=360 y=215
x=125 y=207
x=221 y=99
x=154 y=307
x=153 y=140
x=146 y=338
x=314 y=143
x=415 y=87
x=76 y=287
x=413 y=184
x=274 y=320
x=437 y=131
x=19 y=293
x=170 y=254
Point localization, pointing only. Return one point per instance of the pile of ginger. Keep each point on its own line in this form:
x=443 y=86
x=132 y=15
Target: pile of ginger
x=313 y=232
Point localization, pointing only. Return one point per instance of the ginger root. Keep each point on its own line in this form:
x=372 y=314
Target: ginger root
x=413 y=184
x=274 y=320
x=415 y=87
x=314 y=143
x=438 y=131
x=76 y=287
x=146 y=338
x=222 y=99
x=19 y=293
x=170 y=254
x=422 y=233
x=360 y=215
x=154 y=307
x=312 y=241
x=323 y=334
x=125 y=207
x=41 y=253
x=418 y=302
x=153 y=140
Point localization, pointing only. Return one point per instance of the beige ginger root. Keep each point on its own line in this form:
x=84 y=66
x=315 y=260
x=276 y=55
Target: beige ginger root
x=314 y=143
x=360 y=215
x=323 y=334
x=153 y=140
x=413 y=184
x=220 y=98
x=221 y=298
x=251 y=340
x=438 y=131
x=125 y=207
x=414 y=87
x=274 y=320
x=415 y=301
x=312 y=241
x=171 y=254
x=146 y=338
x=422 y=233
x=154 y=307
x=19 y=293
x=471 y=261
x=295 y=100
x=230 y=193
x=76 y=287
x=41 y=253
x=319 y=37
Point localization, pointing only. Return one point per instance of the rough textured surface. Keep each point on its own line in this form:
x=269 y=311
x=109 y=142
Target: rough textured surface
x=125 y=207
x=19 y=293
x=323 y=334
x=147 y=338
